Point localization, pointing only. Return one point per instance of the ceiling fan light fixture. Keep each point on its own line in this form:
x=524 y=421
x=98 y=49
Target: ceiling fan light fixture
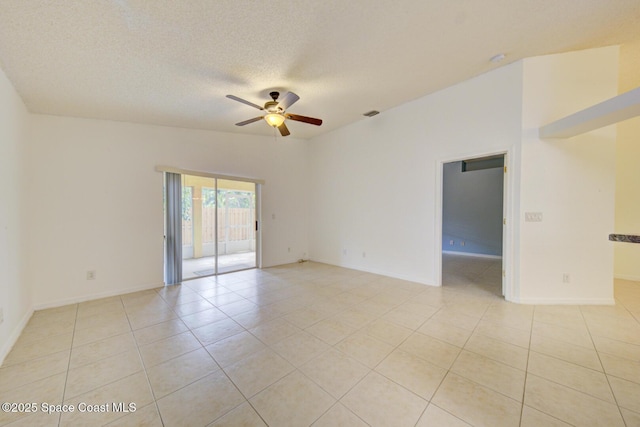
x=275 y=112
x=274 y=119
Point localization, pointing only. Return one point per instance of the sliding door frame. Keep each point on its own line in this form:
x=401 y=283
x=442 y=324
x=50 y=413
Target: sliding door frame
x=258 y=218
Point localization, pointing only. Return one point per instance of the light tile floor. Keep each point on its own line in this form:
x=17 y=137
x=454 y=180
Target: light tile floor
x=312 y=344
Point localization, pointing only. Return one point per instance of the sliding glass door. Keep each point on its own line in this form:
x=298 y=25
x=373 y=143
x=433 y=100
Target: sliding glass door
x=198 y=244
x=236 y=212
x=218 y=226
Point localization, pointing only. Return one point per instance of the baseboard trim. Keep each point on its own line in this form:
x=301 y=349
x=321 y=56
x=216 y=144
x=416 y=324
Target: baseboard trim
x=13 y=338
x=85 y=298
x=566 y=301
x=408 y=278
x=471 y=254
x=626 y=277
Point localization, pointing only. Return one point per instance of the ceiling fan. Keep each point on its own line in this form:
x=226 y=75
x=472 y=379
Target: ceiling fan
x=276 y=112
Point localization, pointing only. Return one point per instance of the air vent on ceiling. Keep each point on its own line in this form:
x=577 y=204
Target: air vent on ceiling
x=371 y=113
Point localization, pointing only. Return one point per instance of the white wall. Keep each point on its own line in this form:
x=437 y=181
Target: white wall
x=376 y=184
x=571 y=181
x=627 y=255
x=95 y=201
x=15 y=295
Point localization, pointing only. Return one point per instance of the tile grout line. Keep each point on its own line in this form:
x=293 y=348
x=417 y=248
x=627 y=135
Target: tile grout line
x=116 y=354
x=615 y=399
x=454 y=373
x=575 y=364
x=527 y=372
x=220 y=367
x=377 y=318
x=66 y=379
x=636 y=318
x=144 y=367
x=526 y=368
x=98 y=360
x=338 y=399
x=530 y=333
x=332 y=347
x=202 y=345
x=429 y=402
x=246 y=400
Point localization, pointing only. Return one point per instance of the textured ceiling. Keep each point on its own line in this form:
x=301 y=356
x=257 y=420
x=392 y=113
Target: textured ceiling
x=172 y=62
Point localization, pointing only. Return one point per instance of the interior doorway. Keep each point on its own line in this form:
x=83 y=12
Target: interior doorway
x=473 y=232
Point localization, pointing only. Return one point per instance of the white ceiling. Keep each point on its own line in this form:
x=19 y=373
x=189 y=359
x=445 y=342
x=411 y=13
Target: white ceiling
x=172 y=62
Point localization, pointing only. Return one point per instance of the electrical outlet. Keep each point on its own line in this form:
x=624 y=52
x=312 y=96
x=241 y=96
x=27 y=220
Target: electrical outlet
x=1 y=315
x=566 y=278
x=288 y=249
x=462 y=243
x=91 y=275
x=451 y=242
x=364 y=254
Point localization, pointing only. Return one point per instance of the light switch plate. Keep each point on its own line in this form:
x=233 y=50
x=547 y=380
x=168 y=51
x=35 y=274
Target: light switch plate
x=533 y=216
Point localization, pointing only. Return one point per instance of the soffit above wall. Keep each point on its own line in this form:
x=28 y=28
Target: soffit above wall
x=611 y=111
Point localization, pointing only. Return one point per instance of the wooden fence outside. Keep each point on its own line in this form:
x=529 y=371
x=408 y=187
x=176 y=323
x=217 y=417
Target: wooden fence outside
x=234 y=224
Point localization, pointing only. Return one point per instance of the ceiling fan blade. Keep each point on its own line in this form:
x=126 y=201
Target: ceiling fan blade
x=304 y=119
x=244 y=101
x=288 y=101
x=246 y=122
x=284 y=131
